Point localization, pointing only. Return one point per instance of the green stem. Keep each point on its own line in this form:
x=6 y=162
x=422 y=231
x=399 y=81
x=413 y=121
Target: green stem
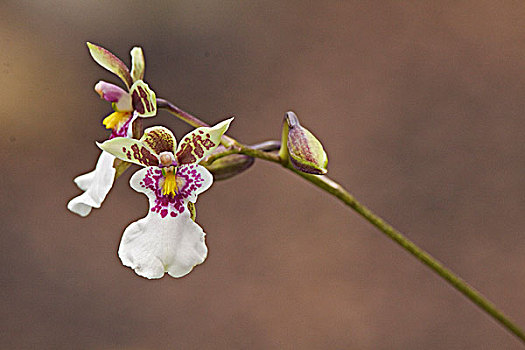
x=339 y=192
x=266 y=146
x=190 y=119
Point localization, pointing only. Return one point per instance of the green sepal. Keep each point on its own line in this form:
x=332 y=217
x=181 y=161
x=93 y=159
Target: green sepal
x=111 y=62
x=138 y=64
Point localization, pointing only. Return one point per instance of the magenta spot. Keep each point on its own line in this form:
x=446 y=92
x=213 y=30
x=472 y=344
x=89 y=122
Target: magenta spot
x=122 y=131
x=172 y=204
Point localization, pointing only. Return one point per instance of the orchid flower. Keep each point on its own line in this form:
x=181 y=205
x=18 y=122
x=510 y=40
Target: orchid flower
x=138 y=101
x=167 y=239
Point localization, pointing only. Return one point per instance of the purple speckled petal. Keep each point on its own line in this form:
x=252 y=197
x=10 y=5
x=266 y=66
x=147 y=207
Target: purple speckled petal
x=124 y=130
x=192 y=180
x=111 y=62
x=96 y=185
x=196 y=172
x=153 y=246
x=159 y=139
x=201 y=142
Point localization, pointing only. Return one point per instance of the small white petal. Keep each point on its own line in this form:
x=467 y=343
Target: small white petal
x=96 y=185
x=130 y=124
x=155 y=245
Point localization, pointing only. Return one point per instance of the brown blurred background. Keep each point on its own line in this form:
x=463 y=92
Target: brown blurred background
x=419 y=106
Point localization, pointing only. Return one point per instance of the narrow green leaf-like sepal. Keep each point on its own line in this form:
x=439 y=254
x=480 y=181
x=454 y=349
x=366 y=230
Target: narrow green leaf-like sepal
x=306 y=153
x=111 y=62
x=138 y=64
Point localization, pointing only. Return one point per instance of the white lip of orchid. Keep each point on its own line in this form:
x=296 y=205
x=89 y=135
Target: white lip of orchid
x=167 y=240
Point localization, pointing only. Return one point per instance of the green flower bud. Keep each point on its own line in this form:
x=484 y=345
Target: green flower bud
x=230 y=165
x=304 y=150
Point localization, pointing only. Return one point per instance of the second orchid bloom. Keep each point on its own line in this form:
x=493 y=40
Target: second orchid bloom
x=137 y=101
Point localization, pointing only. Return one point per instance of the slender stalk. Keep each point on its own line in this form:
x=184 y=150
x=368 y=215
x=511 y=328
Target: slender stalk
x=265 y=146
x=190 y=119
x=461 y=285
x=335 y=189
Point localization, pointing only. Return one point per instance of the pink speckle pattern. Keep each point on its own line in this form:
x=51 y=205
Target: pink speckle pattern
x=122 y=131
x=172 y=205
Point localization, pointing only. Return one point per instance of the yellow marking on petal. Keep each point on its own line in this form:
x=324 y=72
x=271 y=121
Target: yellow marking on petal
x=193 y=212
x=116 y=119
x=170 y=185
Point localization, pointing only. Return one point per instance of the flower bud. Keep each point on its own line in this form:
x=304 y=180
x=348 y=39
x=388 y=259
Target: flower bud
x=120 y=98
x=305 y=151
x=230 y=165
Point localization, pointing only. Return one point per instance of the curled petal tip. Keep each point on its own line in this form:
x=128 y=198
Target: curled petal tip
x=224 y=125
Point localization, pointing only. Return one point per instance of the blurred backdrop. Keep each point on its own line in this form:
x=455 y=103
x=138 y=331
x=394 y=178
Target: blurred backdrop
x=419 y=106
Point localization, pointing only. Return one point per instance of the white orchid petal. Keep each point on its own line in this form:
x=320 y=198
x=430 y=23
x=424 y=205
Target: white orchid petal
x=129 y=132
x=154 y=245
x=203 y=173
x=167 y=239
x=83 y=181
x=96 y=185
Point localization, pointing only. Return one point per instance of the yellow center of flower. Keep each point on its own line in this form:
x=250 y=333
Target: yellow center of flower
x=115 y=120
x=170 y=185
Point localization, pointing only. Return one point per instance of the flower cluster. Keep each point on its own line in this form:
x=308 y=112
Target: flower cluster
x=167 y=240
